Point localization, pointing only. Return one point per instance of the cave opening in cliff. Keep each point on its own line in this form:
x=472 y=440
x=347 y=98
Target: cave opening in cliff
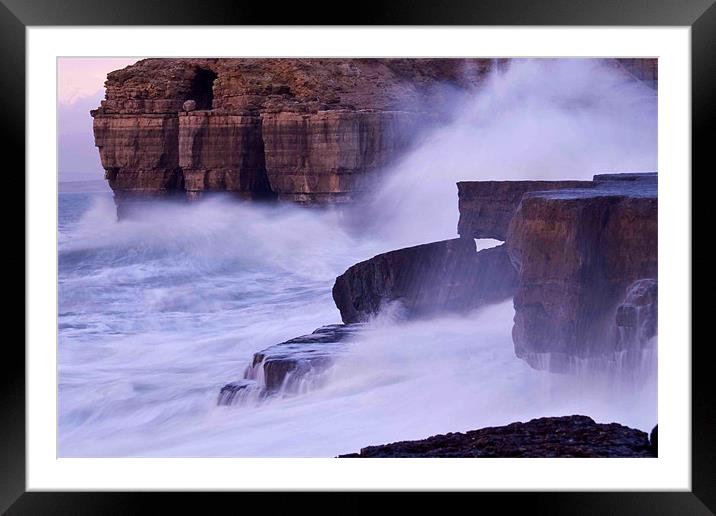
x=202 y=88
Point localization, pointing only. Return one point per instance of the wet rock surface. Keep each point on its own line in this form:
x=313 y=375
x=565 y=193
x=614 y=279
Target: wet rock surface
x=486 y=207
x=446 y=276
x=577 y=252
x=568 y=436
x=291 y=366
x=637 y=316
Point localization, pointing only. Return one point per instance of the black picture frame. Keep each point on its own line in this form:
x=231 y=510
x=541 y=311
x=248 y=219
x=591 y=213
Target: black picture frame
x=17 y=15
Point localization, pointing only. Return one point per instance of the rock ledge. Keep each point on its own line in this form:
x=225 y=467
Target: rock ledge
x=567 y=436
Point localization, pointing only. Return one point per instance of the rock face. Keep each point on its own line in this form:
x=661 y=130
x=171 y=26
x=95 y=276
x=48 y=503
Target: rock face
x=139 y=155
x=637 y=316
x=568 y=436
x=332 y=155
x=426 y=279
x=290 y=367
x=219 y=152
x=654 y=440
x=577 y=252
x=486 y=207
x=307 y=130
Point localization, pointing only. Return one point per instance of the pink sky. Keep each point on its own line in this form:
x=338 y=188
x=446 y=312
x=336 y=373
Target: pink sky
x=84 y=76
x=80 y=87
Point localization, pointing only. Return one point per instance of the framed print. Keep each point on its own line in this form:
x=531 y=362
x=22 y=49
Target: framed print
x=418 y=250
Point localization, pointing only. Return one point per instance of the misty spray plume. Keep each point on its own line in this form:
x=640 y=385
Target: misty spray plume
x=536 y=119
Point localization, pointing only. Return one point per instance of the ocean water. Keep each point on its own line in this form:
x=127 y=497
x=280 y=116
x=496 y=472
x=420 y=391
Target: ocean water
x=157 y=313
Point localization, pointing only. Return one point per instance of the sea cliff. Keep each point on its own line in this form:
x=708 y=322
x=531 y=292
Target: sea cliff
x=311 y=131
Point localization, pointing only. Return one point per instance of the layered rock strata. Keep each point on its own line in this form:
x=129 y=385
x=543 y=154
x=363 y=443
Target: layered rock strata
x=486 y=207
x=447 y=276
x=333 y=155
x=306 y=130
x=139 y=155
x=312 y=131
x=577 y=253
x=580 y=260
x=222 y=152
x=290 y=367
x=568 y=436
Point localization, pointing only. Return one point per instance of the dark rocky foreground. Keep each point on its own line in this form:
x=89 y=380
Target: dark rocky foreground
x=289 y=367
x=568 y=436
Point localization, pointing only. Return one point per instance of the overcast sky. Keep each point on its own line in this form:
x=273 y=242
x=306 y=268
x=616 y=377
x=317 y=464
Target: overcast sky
x=80 y=88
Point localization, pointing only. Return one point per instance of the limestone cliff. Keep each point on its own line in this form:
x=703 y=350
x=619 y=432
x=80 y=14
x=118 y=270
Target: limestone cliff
x=578 y=253
x=486 y=207
x=305 y=130
x=580 y=261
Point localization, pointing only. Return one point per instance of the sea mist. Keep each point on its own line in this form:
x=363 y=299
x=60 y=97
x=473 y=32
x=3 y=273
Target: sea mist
x=157 y=313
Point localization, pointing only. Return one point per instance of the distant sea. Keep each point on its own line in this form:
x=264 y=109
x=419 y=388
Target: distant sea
x=91 y=186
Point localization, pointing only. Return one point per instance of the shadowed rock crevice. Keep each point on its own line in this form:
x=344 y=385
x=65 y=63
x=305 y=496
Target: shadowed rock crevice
x=222 y=153
x=202 y=88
